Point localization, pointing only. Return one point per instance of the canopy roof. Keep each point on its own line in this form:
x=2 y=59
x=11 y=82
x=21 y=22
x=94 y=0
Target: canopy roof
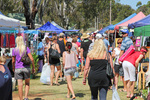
x=49 y=27
x=105 y=29
x=55 y=24
x=142 y=22
x=8 y=22
x=139 y=16
x=142 y=31
x=126 y=19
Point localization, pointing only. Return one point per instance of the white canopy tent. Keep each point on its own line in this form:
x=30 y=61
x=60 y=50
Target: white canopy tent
x=8 y=22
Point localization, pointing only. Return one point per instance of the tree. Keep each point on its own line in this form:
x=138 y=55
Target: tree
x=30 y=13
x=139 y=4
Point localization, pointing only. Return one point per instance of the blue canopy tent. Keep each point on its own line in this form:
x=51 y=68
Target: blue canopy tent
x=49 y=27
x=126 y=19
x=1 y=13
x=143 y=22
x=105 y=29
x=64 y=30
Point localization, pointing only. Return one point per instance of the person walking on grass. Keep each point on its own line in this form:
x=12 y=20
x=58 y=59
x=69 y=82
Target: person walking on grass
x=22 y=71
x=54 y=62
x=118 y=68
x=98 y=80
x=69 y=60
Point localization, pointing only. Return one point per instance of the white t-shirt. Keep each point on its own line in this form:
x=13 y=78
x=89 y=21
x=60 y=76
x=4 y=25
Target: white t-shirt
x=117 y=52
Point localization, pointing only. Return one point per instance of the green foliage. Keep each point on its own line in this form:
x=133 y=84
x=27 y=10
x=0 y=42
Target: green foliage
x=36 y=59
x=145 y=93
x=139 y=4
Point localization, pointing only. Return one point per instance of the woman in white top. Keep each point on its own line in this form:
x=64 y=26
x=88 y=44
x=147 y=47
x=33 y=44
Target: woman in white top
x=69 y=60
x=118 y=68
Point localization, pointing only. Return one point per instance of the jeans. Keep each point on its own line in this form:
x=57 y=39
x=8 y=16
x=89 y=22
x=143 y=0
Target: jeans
x=102 y=92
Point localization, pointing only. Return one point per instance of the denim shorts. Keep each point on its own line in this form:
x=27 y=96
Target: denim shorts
x=22 y=73
x=69 y=71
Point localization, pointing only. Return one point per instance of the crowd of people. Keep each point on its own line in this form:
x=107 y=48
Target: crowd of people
x=64 y=53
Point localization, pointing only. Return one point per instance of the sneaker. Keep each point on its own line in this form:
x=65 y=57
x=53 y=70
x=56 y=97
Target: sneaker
x=26 y=99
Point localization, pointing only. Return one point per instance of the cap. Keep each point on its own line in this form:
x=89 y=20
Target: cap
x=50 y=36
x=98 y=36
x=125 y=31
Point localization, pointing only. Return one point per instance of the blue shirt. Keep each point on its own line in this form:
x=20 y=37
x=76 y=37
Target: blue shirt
x=126 y=43
x=41 y=52
x=106 y=42
x=5 y=85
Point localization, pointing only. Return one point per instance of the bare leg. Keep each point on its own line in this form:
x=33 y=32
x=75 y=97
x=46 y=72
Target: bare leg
x=68 y=93
x=52 y=73
x=128 y=87
x=124 y=84
x=116 y=79
x=20 y=88
x=132 y=88
x=69 y=78
x=57 y=74
x=27 y=86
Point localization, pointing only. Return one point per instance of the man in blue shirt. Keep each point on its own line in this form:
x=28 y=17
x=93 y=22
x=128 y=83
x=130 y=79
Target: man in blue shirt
x=107 y=44
x=126 y=43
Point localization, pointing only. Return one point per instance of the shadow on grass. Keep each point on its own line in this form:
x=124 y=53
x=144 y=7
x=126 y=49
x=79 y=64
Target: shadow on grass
x=79 y=94
x=62 y=82
x=120 y=87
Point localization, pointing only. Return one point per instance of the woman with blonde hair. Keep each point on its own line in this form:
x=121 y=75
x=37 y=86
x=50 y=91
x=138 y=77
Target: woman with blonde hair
x=53 y=61
x=22 y=71
x=97 y=78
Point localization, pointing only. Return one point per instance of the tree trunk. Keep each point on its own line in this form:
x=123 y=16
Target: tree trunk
x=30 y=16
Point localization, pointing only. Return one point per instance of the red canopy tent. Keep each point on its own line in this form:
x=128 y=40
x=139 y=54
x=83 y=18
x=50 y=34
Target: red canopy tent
x=139 y=16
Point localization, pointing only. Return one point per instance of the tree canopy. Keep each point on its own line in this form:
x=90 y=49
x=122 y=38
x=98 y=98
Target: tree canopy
x=78 y=13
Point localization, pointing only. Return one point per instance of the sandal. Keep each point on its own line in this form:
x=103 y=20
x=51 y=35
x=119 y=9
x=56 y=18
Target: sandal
x=73 y=98
x=123 y=90
x=128 y=96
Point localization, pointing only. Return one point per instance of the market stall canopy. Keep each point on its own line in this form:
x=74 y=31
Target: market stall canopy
x=138 y=17
x=55 y=24
x=142 y=31
x=143 y=22
x=8 y=22
x=1 y=13
x=104 y=29
x=126 y=19
x=49 y=27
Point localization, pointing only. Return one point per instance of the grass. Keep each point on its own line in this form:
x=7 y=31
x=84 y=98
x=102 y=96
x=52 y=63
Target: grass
x=39 y=91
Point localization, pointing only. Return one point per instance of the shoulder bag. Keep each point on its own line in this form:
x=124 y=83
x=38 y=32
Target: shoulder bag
x=109 y=70
x=25 y=58
x=53 y=53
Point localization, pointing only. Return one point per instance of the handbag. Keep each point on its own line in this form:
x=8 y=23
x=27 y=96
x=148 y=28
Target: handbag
x=53 y=53
x=109 y=70
x=25 y=59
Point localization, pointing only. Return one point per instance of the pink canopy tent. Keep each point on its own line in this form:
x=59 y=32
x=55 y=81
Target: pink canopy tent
x=139 y=16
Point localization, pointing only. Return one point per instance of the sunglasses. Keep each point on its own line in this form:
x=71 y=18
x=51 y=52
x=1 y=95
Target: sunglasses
x=119 y=43
x=123 y=33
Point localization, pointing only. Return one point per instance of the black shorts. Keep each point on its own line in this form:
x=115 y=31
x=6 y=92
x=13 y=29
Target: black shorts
x=119 y=69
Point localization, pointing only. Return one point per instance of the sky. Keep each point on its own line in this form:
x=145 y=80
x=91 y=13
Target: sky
x=133 y=3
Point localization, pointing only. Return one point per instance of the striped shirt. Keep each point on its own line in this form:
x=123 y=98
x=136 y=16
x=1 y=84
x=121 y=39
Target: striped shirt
x=126 y=43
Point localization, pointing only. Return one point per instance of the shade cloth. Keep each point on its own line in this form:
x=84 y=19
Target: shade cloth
x=142 y=31
x=126 y=19
x=139 y=16
x=142 y=22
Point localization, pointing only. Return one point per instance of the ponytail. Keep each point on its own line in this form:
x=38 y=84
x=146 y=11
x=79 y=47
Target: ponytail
x=69 y=46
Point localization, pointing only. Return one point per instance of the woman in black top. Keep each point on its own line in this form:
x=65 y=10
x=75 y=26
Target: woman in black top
x=97 y=78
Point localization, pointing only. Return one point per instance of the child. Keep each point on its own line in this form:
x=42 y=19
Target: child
x=69 y=60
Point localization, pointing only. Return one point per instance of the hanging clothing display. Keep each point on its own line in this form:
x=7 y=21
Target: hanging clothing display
x=1 y=40
x=12 y=41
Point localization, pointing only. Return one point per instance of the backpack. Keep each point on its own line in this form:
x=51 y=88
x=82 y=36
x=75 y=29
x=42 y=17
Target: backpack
x=129 y=51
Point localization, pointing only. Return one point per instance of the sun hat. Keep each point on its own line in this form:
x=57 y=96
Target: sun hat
x=125 y=31
x=61 y=34
x=84 y=36
x=98 y=36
